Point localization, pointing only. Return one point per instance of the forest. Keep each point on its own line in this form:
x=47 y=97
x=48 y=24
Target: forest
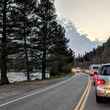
x=100 y=55
x=32 y=40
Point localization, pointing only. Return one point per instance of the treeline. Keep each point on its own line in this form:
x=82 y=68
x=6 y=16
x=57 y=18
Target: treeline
x=31 y=39
x=99 y=55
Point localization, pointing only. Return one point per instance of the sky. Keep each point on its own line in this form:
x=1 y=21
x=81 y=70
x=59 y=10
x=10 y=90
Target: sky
x=91 y=17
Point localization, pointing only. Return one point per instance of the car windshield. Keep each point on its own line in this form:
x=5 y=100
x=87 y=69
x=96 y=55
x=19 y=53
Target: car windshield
x=96 y=68
x=106 y=70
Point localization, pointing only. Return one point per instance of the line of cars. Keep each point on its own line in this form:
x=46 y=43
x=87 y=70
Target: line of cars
x=101 y=80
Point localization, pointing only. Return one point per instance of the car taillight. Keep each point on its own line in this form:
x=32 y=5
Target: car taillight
x=100 y=82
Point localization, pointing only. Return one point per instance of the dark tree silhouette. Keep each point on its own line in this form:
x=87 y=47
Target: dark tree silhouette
x=26 y=8
x=4 y=16
x=46 y=12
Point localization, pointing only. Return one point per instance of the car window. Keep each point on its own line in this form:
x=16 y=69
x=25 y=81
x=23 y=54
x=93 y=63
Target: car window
x=95 y=68
x=106 y=70
x=99 y=70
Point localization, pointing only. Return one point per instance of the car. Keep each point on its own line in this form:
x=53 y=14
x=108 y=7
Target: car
x=78 y=69
x=93 y=71
x=102 y=83
x=93 y=68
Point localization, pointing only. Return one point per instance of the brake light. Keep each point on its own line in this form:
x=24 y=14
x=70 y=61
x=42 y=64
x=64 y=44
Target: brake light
x=100 y=82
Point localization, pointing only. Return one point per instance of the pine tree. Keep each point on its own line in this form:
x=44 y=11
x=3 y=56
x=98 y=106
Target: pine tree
x=35 y=41
x=61 y=58
x=46 y=13
x=5 y=31
x=25 y=9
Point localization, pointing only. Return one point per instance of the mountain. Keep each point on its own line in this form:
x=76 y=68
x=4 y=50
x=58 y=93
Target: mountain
x=78 y=43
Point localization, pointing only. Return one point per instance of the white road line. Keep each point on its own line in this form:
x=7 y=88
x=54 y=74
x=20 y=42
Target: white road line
x=38 y=92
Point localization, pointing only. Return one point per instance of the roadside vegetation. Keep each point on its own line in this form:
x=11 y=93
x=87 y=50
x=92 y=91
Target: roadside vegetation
x=31 y=39
x=100 y=55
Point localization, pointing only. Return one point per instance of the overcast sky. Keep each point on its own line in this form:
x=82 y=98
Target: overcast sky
x=90 y=16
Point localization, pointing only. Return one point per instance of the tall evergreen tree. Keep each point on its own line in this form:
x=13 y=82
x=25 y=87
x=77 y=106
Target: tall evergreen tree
x=46 y=13
x=60 y=57
x=35 y=41
x=25 y=9
x=5 y=10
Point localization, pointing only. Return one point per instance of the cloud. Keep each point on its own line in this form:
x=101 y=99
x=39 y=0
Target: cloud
x=89 y=16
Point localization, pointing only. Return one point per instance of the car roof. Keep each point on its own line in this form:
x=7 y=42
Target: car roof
x=95 y=65
x=105 y=64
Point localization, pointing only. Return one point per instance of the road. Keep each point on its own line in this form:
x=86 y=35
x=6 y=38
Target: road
x=62 y=96
x=92 y=105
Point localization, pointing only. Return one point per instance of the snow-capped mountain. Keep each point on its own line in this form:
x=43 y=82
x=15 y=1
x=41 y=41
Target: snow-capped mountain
x=79 y=43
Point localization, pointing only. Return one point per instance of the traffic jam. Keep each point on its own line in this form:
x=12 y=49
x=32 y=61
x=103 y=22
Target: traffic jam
x=100 y=75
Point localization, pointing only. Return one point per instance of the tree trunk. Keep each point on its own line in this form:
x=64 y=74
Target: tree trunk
x=25 y=45
x=26 y=57
x=44 y=61
x=4 y=78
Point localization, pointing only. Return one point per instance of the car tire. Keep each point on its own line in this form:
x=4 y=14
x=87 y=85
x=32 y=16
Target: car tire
x=98 y=99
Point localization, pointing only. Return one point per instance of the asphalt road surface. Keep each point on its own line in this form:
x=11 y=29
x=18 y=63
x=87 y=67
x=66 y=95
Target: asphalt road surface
x=64 y=96
x=91 y=103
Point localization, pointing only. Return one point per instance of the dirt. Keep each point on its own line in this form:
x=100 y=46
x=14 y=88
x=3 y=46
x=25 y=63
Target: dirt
x=20 y=88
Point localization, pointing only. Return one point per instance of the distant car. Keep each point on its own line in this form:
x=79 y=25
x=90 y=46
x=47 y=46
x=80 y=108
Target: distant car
x=102 y=83
x=78 y=69
x=93 y=69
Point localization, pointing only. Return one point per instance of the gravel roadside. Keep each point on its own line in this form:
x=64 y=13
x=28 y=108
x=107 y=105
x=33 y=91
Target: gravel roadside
x=16 y=89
